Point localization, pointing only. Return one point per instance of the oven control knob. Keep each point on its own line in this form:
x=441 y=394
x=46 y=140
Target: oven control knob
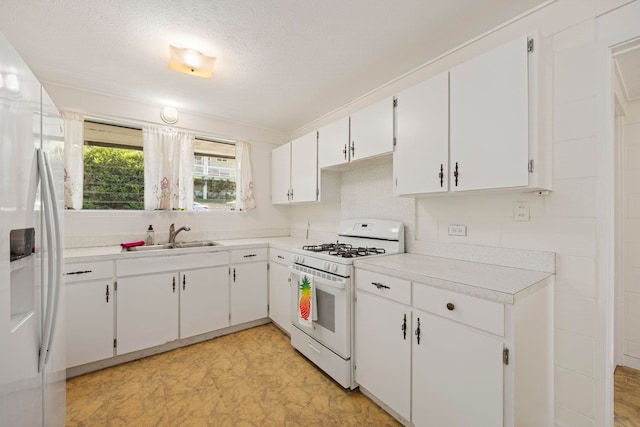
x=334 y=268
x=301 y=259
x=295 y=258
x=326 y=266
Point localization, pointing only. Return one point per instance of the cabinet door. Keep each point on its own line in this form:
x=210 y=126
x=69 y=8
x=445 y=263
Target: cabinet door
x=89 y=324
x=304 y=168
x=372 y=130
x=280 y=174
x=147 y=311
x=204 y=300
x=248 y=292
x=490 y=119
x=457 y=375
x=383 y=351
x=280 y=295
x=421 y=157
x=333 y=144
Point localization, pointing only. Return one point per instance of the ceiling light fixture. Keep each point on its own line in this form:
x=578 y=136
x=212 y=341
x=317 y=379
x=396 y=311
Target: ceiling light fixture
x=191 y=61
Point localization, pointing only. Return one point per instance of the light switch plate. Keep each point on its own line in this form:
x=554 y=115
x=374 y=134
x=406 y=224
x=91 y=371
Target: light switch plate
x=457 y=230
x=521 y=211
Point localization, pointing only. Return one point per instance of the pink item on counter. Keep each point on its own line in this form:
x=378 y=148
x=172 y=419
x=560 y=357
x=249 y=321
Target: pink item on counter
x=132 y=244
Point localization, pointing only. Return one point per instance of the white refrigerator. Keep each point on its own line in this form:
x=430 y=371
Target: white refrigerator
x=32 y=365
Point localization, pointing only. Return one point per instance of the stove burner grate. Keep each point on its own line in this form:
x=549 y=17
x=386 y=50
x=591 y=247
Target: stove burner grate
x=327 y=247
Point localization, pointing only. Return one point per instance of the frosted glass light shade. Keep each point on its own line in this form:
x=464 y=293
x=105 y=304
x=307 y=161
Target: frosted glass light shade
x=191 y=61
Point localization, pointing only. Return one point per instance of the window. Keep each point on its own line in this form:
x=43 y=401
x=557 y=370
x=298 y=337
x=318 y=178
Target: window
x=214 y=175
x=114 y=170
x=113 y=167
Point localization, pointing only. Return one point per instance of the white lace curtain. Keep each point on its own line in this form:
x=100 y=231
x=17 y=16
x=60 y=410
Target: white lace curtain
x=244 y=178
x=73 y=159
x=168 y=169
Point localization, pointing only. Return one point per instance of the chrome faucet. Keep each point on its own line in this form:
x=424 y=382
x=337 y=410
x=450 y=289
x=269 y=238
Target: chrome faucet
x=173 y=233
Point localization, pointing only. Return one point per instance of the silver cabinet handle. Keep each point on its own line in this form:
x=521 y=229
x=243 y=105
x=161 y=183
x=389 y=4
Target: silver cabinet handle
x=79 y=272
x=380 y=285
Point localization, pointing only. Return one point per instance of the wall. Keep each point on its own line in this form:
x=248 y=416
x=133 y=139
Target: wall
x=96 y=228
x=631 y=234
x=563 y=222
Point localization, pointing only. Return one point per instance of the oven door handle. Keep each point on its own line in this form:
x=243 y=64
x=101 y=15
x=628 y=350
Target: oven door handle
x=320 y=281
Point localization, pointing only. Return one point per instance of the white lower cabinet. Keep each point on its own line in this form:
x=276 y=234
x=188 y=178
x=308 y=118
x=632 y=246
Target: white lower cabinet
x=190 y=297
x=464 y=361
x=147 y=311
x=280 y=288
x=204 y=300
x=383 y=351
x=249 y=293
x=90 y=298
x=457 y=374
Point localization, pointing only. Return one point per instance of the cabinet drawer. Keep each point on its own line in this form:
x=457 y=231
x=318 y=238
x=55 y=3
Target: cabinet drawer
x=85 y=271
x=280 y=256
x=157 y=264
x=248 y=255
x=476 y=312
x=393 y=288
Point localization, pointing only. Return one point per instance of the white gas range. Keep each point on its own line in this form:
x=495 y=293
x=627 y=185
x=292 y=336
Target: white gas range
x=327 y=340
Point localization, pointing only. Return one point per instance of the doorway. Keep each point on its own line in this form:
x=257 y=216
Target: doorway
x=626 y=88
x=616 y=33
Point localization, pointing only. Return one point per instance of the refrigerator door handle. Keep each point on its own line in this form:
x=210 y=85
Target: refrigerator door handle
x=46 y=324
x=57 y=278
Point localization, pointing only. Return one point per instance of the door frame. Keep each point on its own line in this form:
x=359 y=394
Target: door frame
x=612 y=29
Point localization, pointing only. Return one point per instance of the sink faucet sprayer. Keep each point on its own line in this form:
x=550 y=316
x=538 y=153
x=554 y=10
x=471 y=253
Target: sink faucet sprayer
x=173 y=233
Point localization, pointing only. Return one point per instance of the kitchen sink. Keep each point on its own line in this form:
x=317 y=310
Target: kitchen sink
x=149 y=247
x=179 y=245
x=195 y=244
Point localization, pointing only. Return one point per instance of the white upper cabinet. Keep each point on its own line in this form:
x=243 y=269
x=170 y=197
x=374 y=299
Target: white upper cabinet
x=294 y=171
x=295 y=177
x=333 y=144
x=372 y=130
x=484 y=125
x=304 y=168
x=493 y=120
x=421 y=158
x=281 y=174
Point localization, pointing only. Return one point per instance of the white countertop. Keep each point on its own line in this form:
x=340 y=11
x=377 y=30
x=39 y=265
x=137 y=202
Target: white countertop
x=493 y=282
x=104 y=253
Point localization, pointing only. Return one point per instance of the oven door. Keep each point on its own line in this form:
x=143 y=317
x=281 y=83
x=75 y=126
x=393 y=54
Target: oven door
x=332 y=306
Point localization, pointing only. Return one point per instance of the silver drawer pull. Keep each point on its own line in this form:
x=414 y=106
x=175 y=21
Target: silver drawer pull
x=280 y=257
x=380 y=285
x=250 y=255
x=79 y=272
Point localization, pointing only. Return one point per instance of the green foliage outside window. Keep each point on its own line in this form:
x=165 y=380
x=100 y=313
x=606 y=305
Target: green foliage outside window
x=218 y=190
x=113 y=178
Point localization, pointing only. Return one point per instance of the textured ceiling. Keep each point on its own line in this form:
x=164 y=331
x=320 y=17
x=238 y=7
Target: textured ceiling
x=281 y=63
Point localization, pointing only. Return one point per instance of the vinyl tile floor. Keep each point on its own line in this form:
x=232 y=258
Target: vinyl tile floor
x=627 y=397
x=249 y=378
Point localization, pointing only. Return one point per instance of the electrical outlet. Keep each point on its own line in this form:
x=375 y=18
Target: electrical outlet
x=521 y=211
x=457 y=230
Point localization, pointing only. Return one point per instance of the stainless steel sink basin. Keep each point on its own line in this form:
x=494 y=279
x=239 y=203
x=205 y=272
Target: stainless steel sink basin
x=195 y=244
x=149 y=247
x=179 y=245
